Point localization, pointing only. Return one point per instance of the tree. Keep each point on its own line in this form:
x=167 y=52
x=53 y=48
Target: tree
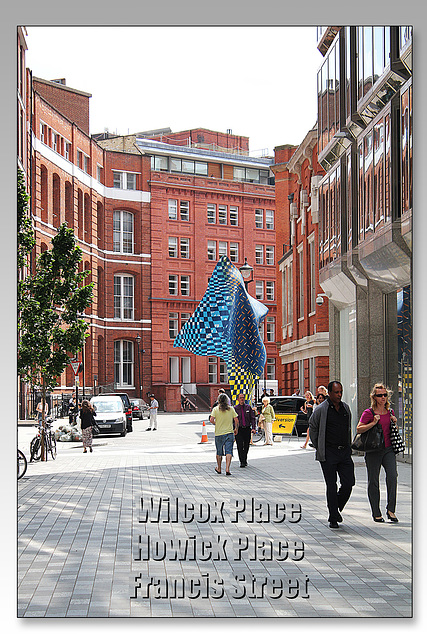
x=51 y=329
x=25 y=234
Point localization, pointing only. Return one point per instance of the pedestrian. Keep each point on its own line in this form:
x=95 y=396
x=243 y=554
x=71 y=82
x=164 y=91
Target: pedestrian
x=247 y=422
x=220 y=391
x=330 y=433
x=322 y=389
x=72 y=409
x=380 y=412
x=297 y=392
x=267 y=419
x=307 y=408
x=87 y=421
x=154 y=405
x=39 y=410
x=224 y=417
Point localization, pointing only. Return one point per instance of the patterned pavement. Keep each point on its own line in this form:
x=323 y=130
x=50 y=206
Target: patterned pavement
x=85 y=549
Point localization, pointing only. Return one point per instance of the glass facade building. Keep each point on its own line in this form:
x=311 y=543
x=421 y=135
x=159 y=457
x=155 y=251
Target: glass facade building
x=364 y=99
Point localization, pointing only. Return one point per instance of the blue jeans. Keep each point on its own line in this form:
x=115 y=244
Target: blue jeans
x=224 y=444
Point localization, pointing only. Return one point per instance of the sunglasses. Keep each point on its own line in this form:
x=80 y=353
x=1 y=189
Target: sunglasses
x=381 y=395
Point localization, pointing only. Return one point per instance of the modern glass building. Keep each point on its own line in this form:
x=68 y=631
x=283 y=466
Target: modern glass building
x=365 y=238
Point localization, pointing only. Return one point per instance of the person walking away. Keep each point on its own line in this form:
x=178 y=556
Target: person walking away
x=308 y=410
x=247 y=422
x=225 y=419
x=380 y=412
x=330 y=433
x=39 y=410
x=269 y=416
x=87 y=421
x=154 y=405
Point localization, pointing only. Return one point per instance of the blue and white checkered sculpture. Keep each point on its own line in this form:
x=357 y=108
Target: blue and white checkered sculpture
x=226 y=324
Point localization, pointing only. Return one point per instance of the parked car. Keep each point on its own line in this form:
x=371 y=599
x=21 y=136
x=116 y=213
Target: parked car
x=110 y=414
x=290 y=404
x=140 y=409
x=126 y=404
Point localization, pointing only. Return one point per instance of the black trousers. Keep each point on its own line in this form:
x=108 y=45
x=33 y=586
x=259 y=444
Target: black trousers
x=374 y=460
x=243 y=439
x=338 y=463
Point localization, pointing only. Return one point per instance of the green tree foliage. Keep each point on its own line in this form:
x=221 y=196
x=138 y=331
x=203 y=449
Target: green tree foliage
x=25 y=238
x=51 y=329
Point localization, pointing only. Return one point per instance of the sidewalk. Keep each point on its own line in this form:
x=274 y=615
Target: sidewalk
x=83 y=545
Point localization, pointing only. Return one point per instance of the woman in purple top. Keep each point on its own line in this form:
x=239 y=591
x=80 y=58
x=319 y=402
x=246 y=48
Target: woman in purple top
x=380 y=412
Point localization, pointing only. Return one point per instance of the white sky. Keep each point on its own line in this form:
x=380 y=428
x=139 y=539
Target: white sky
x=258 y=81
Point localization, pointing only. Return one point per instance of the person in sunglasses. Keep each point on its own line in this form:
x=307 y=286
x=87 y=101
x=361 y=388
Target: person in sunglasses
x=380 y=412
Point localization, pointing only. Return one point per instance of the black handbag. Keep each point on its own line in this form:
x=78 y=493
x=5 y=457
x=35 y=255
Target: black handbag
x=95 y=428
x=370 y=440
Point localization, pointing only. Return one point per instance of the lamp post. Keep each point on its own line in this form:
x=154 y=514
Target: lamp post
x=247 y=273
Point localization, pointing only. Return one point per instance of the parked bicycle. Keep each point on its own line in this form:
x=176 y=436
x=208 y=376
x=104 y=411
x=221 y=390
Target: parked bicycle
x=22 y=464
x=49 y=442
x=258 y=434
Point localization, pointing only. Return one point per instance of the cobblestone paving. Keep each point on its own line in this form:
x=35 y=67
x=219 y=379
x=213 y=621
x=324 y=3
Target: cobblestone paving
x=81 y=544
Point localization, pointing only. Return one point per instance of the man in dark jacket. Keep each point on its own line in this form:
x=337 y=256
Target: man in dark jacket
x=247 y=422
x=330 y=433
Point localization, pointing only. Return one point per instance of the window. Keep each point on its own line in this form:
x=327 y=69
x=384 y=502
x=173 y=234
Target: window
x=123 y=297
x=259 y=254
x=261 y=330
x=300 y=284
x=173 y=247
x=122 y=232
x=43 y=133
x=184 y=210
x=187 y=166
x=173 y=285
x=312 y=277
x=234 y=252
x=247 y=174
x=122 y=180
x=86 y=165
x=269 y=290
x=185 y=247
x=259 y=218
x=79 y=159
x=184 y=318
x=271 y=369
x=173 y=209
x=222 y=249
x=234 y=216
x=173 y=325
x=269 y=255
x=185 y=285
x=213 y=370
x=175 y=164
x=211 y=250
x=67 y=151
x=222 y=214
x=201 y=168
x=259 y=290
x=174 y=370
x=271 y=329
x=269 y=219
x=99 y=173
x=123 y=363
x=211 y=214
x=159 y=163
x=56 y=142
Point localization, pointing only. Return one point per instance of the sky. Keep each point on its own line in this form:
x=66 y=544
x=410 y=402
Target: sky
x=259 y=82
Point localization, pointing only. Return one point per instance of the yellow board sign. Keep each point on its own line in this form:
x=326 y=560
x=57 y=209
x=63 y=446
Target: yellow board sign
x=284 y=423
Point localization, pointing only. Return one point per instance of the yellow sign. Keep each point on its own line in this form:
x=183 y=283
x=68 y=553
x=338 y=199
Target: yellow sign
x=284 y=423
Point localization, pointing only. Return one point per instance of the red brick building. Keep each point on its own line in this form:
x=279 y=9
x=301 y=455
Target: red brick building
x=152 y=218
x=304 y=338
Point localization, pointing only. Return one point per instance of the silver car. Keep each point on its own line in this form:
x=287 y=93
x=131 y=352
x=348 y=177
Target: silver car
x=110 y=414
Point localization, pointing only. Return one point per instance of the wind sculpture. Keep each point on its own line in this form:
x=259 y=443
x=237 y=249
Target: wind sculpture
x=226 y=324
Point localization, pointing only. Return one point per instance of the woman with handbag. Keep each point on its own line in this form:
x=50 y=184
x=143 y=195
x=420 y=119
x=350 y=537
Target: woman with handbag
x=380 y=414
x=87 y=417
x=268 y=417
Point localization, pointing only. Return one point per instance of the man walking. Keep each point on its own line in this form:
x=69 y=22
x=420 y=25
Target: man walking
x=154 y=405
x=330 y=433
x=247 y=421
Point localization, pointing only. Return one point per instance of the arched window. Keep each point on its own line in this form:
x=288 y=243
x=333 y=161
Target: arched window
x=123 y=363
x=44 y=196
x=69 y=205
x=123 y=296
x=80 y=213
x=122 y=232
x=87 y=218
x=100 y=224
x=56 y=199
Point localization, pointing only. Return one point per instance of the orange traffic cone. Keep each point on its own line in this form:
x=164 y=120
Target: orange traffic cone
x=204 y=434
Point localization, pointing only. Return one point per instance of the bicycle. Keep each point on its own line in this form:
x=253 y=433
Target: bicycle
x=258 y=434
x=22 y=464
x=49 y=442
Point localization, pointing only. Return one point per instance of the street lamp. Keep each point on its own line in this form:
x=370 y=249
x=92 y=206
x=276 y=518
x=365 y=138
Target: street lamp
x=247 y=272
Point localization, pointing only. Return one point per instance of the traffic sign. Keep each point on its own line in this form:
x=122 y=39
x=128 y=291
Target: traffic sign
x=75 y=366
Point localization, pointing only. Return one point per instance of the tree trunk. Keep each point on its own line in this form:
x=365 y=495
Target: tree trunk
x=43 y=450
